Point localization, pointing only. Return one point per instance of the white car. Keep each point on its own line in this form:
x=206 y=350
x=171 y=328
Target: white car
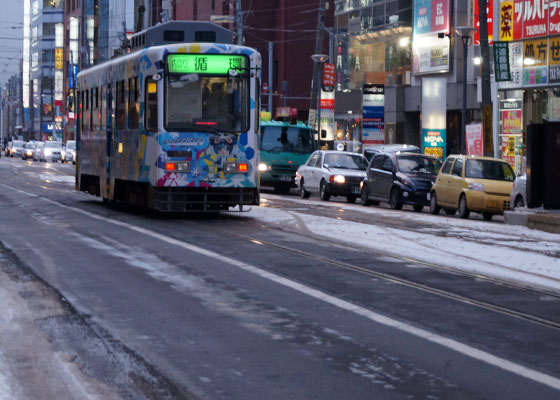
x=518 y=194
x=52 y=151
x=332 y=173
x=37 y=151
x=69 y=152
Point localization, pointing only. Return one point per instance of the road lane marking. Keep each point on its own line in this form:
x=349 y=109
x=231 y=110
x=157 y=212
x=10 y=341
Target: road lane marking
x=448 y=343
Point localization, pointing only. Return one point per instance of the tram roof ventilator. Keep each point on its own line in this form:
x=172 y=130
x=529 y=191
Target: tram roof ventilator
x=180 y=32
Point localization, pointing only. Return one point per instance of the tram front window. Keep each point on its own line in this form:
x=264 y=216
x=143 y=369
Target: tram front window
x=207 y=103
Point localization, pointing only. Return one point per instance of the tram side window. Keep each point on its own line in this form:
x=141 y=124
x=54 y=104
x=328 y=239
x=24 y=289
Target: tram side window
x=95 y=109
x=121 y=105
x=151 y=122
x=133 y=104
x=85 y=113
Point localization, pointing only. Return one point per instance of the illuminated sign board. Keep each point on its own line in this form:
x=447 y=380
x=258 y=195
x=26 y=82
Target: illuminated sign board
x=218 y=64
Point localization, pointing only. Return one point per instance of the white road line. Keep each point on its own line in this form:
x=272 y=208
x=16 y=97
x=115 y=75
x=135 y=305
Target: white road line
x=451 y=344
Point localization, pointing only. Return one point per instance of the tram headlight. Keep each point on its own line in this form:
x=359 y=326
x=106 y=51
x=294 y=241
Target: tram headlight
x=263 y=167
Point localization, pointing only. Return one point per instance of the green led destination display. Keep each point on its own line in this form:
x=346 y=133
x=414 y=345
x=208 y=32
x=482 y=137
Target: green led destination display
x=219 y=64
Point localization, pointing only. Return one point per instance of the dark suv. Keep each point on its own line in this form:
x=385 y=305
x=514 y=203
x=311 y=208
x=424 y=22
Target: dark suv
x=400 y=178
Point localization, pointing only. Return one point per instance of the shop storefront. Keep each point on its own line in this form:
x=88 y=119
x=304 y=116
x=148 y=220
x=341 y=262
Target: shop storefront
x=532 y=95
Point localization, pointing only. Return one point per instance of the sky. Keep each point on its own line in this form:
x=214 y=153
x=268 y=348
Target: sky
x=11 y=38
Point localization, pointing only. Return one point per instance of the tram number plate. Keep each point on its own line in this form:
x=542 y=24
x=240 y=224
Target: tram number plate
x=285 y=178
x=183 y=166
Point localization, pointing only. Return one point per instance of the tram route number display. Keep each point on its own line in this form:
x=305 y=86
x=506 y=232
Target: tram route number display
x=219 y=64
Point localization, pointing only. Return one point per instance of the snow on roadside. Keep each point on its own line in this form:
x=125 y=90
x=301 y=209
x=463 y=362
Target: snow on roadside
x=500 y=251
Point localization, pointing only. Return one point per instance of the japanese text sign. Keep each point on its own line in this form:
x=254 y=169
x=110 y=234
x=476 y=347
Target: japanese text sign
x=501 y=62
x=431 y=16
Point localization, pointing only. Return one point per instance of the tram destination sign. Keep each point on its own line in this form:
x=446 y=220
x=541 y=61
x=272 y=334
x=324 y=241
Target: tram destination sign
x=218 y=64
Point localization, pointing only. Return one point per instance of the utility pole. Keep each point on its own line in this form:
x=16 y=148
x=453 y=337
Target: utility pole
x=239 y=22
x=318 y=47
x=488 y=139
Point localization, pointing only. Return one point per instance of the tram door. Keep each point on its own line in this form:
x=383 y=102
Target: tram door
x=109 y=106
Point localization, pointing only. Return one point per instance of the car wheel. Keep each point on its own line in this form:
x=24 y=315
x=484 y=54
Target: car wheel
x=518 y=202
x=351 y=199
x=487 y=216
x=417 y=207
x=394 y=199
x=464 y=211
x=302 y=192
x=364 y=197
x=434 y=208
x=450 y=211
x=323 y=194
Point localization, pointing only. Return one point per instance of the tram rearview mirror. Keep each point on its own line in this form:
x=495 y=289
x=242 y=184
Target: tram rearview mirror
x=156 y=77
x=187 y=78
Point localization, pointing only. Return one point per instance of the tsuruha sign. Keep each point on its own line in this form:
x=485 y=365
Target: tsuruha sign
x=526 y=19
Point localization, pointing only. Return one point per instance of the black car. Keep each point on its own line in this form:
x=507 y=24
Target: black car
x=400 y=178
x=389 y=148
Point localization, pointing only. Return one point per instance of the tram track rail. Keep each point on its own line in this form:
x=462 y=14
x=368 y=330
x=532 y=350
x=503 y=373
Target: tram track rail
x=417 y=285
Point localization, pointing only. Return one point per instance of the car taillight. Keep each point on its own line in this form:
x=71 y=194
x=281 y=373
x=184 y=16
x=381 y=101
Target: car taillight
x=170 y=166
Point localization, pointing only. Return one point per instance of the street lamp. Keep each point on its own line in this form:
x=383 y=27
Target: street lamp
x=320 y=59
x=465 y=33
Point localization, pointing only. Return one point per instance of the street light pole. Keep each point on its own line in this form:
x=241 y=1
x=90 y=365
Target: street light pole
x=465 y=33
x=319 y=60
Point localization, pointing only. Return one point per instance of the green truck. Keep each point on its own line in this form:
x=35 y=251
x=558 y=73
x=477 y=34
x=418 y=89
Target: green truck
x=284 y=147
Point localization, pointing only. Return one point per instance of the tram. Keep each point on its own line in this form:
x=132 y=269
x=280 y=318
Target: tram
x=172 y=125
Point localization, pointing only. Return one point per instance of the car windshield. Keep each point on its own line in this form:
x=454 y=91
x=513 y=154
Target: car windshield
x=209 y=103
x=346 y=161
x=489 y=169
x=278 y=139
x=71 y=145
x=30 y=145
x=18 y=143
x=418 y=164
x=54 y=144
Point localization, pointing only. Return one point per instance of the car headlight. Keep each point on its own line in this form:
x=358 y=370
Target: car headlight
x=48 y=152
x=403 y=178
x=264 y=167
x=337 y=178
x=479 y=187
x=63 y=153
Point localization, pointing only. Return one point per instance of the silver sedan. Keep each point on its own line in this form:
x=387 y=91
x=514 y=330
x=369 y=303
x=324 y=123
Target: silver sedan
x=332 y=173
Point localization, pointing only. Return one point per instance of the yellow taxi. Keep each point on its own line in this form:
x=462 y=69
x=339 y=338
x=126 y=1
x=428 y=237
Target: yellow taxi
x=472 y=183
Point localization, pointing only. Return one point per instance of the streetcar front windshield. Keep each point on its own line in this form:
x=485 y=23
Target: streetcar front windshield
x=207 y=103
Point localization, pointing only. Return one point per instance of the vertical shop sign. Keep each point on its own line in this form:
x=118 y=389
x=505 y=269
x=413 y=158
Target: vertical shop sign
x=328 y=77
x=506 y=21
x=373 y=130
x=501 y=62
x=474 y=139
x=327 y=114
x=434 y=116
x=511 y=115
x=535 y=71
x=489 y=19
x=554 y=59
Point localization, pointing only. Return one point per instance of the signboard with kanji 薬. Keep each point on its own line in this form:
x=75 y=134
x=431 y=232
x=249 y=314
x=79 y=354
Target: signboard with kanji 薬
x=501 y=62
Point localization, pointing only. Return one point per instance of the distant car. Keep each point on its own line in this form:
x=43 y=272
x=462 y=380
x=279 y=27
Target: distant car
x=400 y=178
x=332 y=173
x=472 y=183
x=369 y=152
x=28 y=150
x=519 y=192
x=51 y=151
x=69 y=152
x=37 y=151
x=17 y=148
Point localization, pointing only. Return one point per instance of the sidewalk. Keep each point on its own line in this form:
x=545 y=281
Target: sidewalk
x=543 y=220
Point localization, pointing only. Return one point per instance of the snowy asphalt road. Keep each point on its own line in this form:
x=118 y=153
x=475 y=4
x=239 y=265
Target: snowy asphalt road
x=195 y=307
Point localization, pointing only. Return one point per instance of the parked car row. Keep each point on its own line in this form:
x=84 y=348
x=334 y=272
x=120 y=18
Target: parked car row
x=42 y=151
x=399 y=176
